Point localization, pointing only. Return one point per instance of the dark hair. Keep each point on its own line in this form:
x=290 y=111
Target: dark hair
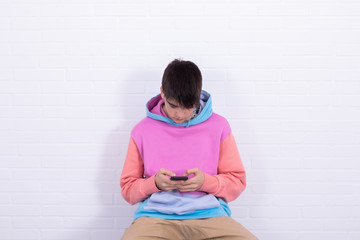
x=182 y=82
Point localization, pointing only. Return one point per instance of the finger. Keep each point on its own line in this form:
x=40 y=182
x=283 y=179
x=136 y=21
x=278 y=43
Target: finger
x=193 y=180
x=189 y=186
x=189 y=181
x=167 y=172
x=187 y=189
x=178 y=184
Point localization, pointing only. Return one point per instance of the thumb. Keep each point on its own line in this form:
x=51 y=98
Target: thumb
x=166 y=172
x=191 y=171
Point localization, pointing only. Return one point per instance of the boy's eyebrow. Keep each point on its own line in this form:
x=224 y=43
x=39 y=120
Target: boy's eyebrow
x=174 y=105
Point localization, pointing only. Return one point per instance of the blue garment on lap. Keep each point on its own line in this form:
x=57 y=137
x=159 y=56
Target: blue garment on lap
x=176 y=205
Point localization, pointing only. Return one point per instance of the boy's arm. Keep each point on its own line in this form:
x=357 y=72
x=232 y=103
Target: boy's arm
x=134 y=187
x=231 y=179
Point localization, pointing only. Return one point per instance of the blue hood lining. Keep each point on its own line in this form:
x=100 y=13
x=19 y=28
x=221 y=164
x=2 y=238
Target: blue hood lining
x=205 y=113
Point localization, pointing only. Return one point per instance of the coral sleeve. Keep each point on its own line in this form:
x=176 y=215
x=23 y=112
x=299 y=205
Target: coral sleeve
x=134 y=187
x=231 y=178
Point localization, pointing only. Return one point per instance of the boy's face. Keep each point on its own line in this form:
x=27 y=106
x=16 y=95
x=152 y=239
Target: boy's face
x=176 y=112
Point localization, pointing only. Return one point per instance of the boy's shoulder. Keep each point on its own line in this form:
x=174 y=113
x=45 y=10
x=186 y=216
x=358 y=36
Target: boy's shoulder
x=221 y=123
x=142 y=123
x=221 y=120
x=218 y=117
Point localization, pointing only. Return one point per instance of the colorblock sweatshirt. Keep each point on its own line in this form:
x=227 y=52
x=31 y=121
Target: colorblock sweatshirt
x=204 y=142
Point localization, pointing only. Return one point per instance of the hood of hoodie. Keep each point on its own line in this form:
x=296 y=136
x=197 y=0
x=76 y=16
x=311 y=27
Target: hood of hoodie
x=153 y=110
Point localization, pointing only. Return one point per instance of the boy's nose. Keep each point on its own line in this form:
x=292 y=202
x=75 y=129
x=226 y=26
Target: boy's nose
x=181 y=113
x=178 y=115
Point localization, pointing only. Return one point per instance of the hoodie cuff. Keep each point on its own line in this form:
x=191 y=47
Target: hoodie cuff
x=210 y=185
x=148 y=187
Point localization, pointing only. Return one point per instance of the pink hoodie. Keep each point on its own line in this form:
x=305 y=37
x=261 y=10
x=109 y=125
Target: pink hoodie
x=209 y=146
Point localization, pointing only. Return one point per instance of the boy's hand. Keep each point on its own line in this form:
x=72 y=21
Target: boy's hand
x=163 y=182
x=194 y=183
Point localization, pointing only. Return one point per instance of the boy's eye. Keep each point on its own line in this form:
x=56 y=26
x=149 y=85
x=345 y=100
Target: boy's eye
x=173 y=106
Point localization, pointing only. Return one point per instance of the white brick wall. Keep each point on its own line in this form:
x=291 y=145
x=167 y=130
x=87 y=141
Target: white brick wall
x=75 y=75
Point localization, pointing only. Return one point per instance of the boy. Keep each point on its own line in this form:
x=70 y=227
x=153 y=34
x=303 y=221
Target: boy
x=181 y=136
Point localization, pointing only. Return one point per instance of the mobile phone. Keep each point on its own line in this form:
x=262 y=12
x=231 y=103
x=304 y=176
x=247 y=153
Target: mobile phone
x=178 y=178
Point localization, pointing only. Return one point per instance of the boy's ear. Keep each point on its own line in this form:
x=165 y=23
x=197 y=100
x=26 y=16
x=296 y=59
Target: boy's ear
x=162 y=93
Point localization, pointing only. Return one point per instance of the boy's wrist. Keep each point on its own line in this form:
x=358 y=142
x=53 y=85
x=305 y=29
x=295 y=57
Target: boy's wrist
x=210 y=184
x=149 y=186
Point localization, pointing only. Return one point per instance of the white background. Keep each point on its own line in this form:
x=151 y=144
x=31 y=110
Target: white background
x=75 y=76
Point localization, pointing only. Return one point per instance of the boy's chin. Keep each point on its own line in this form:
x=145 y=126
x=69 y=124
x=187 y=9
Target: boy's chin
x=179 y=120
